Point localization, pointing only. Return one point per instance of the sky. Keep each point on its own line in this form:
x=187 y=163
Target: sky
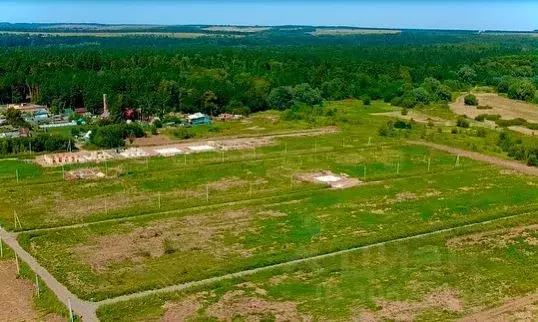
x=432 y=14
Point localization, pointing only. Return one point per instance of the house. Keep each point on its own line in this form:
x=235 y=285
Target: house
x=199 y=118
x=41 y=115
x=82 y=111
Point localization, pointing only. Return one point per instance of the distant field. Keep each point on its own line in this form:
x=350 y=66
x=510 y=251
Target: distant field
x=118 y=34
x=507 y=108
x=237 y=29
x=351 y=32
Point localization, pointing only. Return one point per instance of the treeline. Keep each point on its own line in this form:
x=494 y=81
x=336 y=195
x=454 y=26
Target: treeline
x=39 y=143
x=248 y=79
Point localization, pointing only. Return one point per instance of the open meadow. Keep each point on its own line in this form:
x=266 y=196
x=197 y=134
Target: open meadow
x=153 y=223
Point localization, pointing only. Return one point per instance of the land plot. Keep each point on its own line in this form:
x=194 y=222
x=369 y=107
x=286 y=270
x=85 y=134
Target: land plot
x=418 y=279
x=168 y=184
x=104 y=260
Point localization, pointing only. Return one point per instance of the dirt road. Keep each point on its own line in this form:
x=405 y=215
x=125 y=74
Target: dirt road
x=514 y=165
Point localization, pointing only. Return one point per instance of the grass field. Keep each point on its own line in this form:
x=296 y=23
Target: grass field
x=439 y=278
x=165 y=221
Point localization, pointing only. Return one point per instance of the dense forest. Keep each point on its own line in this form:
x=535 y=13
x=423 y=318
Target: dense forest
x=209 y=76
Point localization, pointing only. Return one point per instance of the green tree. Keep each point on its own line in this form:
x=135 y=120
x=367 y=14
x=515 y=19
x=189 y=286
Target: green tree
x=470 y=99
x=280 y=98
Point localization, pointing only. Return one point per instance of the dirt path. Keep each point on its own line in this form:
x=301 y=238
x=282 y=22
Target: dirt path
x=82 y=308
x=514 y=165
x=498 y=313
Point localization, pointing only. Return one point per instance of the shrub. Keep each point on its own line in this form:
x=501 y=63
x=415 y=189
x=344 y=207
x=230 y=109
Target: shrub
x=183 y=133
x=470 y=99
x=463 y=123
x=405 y=111
x=454 y=131
x=481 y=133
x=366 y=100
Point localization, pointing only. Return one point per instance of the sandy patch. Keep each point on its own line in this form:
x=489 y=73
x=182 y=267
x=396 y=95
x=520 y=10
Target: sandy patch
x=237 y=304
x=408 y=310
x=523 y=130
x=236 y=29
x=499 y=238
x=196 y=232
x=330 y=179
x=508 y=109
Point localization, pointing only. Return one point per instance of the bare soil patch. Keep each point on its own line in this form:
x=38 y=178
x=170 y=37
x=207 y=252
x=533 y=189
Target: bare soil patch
x=519 y=309
x=236 y=304
x=523 y=130
x=496 y=238
x=196 y=232
x=417 y=117
x=507 y=108
x=330 y=179
x=85 y=174
x=16 y=297
x=152 y=140
x=182 y=310
x=408 y=310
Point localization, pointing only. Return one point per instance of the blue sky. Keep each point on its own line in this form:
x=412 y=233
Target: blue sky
x=441 y=14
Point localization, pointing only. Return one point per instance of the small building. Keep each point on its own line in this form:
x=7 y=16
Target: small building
x=198 y=119
x=82 y=111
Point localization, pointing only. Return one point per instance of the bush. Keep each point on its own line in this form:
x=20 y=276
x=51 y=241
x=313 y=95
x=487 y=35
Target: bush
x=454 y=131
x=183 y=133
x=366 y=100
x=481 y=133
x=405 y=111
x=470 y=99
x=463 y=123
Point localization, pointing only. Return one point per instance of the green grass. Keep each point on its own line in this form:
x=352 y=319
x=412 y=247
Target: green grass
x=338 y=288
x=184 y=219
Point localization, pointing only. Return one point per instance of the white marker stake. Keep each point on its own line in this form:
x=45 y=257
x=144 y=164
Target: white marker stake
x=37 y=285
x=458 y=161
x=429 y=163
x=398 y=168
x=1 y=249
x=369 y=140
x=147 y=163
x=207 y=193
x=17 y=174
x=71 y=317
x=159 y=196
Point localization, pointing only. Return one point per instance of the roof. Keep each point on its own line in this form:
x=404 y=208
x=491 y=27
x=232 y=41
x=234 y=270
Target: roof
x=196 y=116
x=81 y=110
